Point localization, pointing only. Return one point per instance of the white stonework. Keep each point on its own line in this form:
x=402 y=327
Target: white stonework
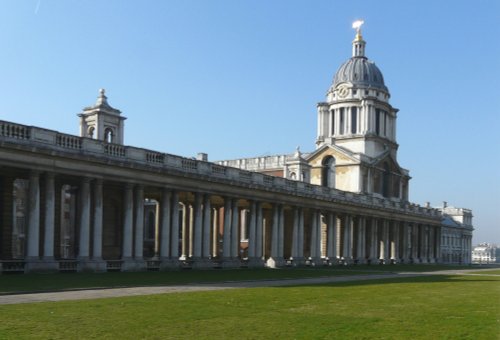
x=89 y=202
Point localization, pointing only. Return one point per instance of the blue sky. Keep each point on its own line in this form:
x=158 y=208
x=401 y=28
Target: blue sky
x=242 y=78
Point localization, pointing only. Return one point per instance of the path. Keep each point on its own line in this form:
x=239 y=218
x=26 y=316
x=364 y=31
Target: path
x=151 y=290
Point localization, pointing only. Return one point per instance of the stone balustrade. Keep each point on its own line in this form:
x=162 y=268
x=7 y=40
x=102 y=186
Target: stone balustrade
x=82 y=145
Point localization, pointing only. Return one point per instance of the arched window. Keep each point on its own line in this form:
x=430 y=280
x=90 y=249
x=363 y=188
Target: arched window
x=108 y=135
x=293 y=176
x=386 y=178
x=328 y=172
x=90 y=132
x=151 y=226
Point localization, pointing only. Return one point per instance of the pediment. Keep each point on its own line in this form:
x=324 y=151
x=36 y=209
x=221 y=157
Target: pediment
x=341 y=156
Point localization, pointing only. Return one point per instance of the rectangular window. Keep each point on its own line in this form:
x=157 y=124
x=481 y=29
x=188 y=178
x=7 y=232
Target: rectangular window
x=341 y=123
x=354 y=120
x=377 y=121
x=385 y=124
x=333 y=122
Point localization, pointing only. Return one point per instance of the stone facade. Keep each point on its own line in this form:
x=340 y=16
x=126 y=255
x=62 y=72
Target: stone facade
x=90 y=203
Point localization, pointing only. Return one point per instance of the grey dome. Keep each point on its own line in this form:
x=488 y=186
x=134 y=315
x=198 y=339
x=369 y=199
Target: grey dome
x=361 y=72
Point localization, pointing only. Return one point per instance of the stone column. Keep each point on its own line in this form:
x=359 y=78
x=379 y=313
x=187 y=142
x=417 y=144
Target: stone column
x=227 y=229
x=396 y=244
x=374 y=241
x=274 y=232
x=331 y=239
x=215 y=232
x=386 y=241
x=281 y=232
x=423 y=254
x=198 y=225
x=251 y=232
x=48 y=246
x=315 y=237
x=174 y=233
x=300 y=246
x=139 y=223
x=165 y=205
x=361 y=255
x=438 y=244
x=235 y=237
x=128 y=222
x=190 y=238
x=347 y=253
x=84 y=253
x=33 y=217
x=207 y=225
x=295 y=234
x=98 y=213
x=258 y=233
x=404 y=244
x=185 y=231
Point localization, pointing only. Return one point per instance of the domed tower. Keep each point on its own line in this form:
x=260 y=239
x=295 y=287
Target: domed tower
x=356 y=142
x=357 y=114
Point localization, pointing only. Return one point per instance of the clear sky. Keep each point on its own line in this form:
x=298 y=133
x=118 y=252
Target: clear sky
x=242 y=78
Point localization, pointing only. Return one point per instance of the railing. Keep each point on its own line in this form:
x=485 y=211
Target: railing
x=155 y=157
x=12 y=266
x=189 y=164
x=68 y=141
x=218 y=169
x=114 y=265
x=114 y=150
x=12 y=131
x=68 y=265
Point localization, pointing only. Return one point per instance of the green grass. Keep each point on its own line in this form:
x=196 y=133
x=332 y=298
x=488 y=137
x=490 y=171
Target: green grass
x=431 y=307
x=49 y=282
x=494 y=271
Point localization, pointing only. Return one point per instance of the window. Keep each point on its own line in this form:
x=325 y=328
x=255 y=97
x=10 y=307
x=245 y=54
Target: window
x=385 y=124
x=108 y=135
x=341 y=119
x=354 y=119
x=90 y=132
x=386 y=177
x=333 y=122
x=377 y=121
x=328 y=172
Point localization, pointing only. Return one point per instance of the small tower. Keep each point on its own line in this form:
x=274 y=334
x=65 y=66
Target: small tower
x=102 y=122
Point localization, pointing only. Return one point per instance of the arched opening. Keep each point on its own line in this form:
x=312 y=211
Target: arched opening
x=90 y=132
x=293 y=176
x=386 y=178
x=108 y=135
x=20 y=217
x=328 y=172
x=68 y=222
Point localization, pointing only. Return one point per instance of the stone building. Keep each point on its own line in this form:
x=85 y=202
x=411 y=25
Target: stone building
x=88 y=202
x=486 y=253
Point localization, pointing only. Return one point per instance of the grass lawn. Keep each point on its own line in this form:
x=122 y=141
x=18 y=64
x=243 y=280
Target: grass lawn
x=47 y=282
x=432 y=307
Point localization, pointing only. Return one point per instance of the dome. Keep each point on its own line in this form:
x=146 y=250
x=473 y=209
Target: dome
x=360 y=72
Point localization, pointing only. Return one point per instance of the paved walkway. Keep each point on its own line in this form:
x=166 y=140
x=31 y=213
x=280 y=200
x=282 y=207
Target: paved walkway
x=135 y=291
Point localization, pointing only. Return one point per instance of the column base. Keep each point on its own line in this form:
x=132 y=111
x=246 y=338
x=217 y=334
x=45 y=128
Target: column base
x=297 y=262
x=230 y=263
x=275 y=262
x=35 y=265
x=133 y=265
x=201 y=263
x=169 y=264
x=256 y=263
x=92 y=265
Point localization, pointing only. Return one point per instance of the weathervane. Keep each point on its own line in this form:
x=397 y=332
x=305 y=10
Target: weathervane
x=357 y=26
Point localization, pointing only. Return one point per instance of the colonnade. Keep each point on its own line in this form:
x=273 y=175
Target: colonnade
x=203 y=229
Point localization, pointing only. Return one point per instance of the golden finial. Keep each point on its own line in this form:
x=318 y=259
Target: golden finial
x=357 y=26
